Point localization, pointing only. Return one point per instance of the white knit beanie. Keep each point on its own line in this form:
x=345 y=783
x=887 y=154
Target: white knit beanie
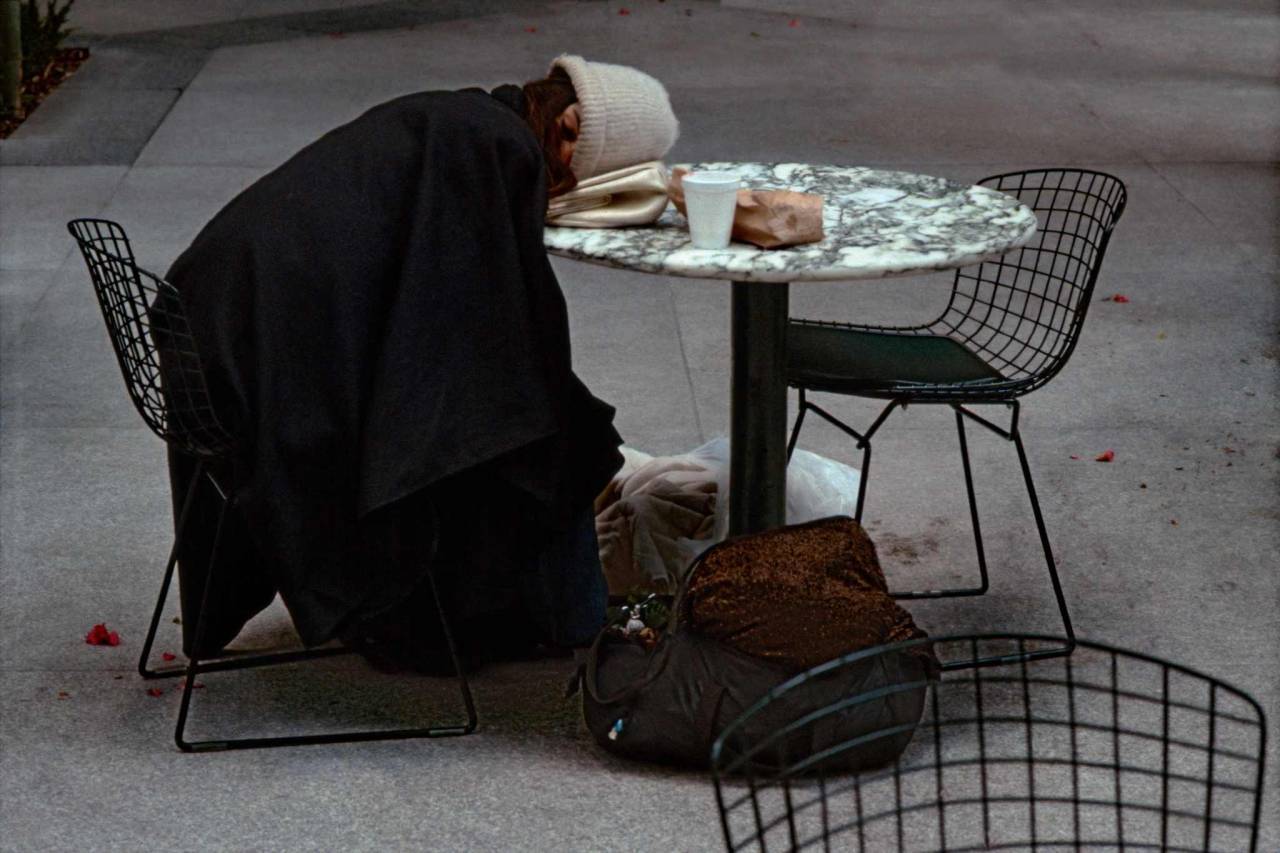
x=626 y=116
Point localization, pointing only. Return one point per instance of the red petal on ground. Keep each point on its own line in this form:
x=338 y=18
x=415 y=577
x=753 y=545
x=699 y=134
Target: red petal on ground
x=155 y=691
x=530 y=29
x=1105 y=456
x=99 y=636
x=795 y=22
x=168 y=656
x=62 y=694
x=336 y=35
x=1116 y=297
x=196 y=686
x=624 y=11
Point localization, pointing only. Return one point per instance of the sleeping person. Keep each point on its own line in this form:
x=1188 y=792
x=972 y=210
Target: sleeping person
x=386 y=339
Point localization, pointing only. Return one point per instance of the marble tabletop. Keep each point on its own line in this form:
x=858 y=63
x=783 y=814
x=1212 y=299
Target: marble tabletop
x=877 y=224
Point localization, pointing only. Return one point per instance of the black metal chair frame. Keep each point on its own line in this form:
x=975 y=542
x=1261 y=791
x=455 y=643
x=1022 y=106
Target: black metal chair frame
x=1128 y=741
x=158 y=358
x=1014 y=290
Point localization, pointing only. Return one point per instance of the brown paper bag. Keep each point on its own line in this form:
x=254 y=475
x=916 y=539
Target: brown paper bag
x=770 y=219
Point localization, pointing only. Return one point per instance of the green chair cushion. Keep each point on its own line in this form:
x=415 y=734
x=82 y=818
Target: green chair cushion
x=832 y=358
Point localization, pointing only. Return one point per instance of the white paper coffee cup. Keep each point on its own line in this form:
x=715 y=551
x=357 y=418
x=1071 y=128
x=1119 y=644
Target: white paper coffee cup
x=710 y=199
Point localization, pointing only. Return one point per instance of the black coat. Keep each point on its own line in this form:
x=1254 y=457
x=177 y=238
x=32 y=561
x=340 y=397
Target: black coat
x=379 y=319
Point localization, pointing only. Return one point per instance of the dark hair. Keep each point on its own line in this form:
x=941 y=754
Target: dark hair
x=544 y=101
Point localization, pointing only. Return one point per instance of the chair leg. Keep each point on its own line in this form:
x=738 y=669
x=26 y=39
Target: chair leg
x=1050 y=562
x=973 y=506
x=863 y=442
x=187 y=500
x=864 y=474
x=1011 y=434
x=795 y=431
x=195 y=667
x=208 y=666
x=1068 y=646
x=984 y=582
x=464 y=686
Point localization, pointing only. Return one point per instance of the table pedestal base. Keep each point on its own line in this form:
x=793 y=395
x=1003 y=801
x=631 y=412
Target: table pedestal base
x=758 y=419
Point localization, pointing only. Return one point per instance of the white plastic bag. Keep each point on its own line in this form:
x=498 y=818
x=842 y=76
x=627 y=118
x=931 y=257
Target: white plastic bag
x=817 y=487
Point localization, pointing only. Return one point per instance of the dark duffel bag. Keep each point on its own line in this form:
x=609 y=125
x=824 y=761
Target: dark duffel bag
x=668 y=704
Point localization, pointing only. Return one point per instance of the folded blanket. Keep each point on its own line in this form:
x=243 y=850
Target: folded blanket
x=650 y=505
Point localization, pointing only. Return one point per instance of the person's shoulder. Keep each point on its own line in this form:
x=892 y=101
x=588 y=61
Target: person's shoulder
x=469 y=111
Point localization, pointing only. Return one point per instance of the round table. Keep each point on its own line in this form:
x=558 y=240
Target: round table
x=877 y=224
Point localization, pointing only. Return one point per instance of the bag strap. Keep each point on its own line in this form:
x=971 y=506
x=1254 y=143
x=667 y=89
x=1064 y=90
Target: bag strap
x=590 y=668
x=591 y=682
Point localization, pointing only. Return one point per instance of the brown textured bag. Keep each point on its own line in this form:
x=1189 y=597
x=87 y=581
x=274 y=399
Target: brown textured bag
x=797 y=595
x=763 y=594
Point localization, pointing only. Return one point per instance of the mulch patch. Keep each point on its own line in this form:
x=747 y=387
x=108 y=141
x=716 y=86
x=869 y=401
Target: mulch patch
x=38 y=88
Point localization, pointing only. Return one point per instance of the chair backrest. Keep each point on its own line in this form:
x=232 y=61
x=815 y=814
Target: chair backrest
x=1101 y=749
x=1022 y=312
x=152 y=340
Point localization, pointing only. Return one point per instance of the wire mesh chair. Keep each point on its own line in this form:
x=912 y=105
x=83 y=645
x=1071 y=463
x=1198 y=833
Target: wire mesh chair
x=1102 y=749
x=158 y=357
x=1008 y=328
